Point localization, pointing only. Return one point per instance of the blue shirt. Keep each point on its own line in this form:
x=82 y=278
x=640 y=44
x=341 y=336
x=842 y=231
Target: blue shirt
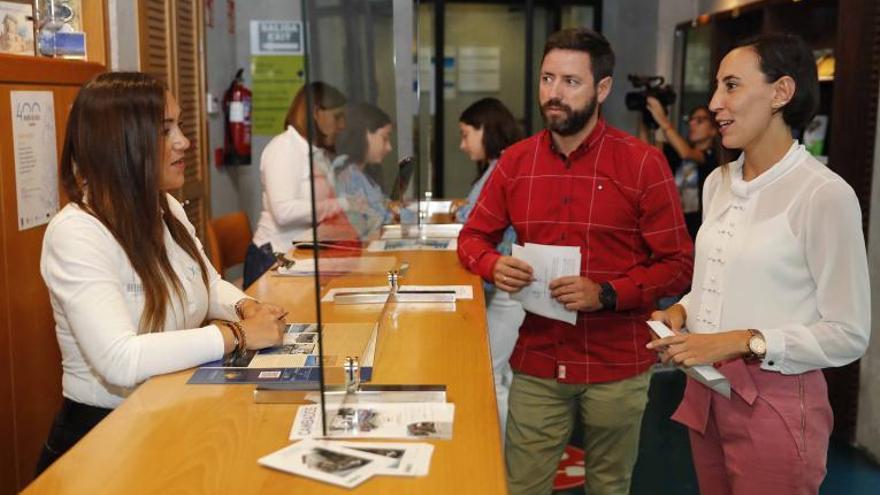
x=367 y=207
x=464 y=211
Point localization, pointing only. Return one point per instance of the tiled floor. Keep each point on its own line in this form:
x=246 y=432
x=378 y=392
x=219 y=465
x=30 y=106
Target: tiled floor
x=664 y=465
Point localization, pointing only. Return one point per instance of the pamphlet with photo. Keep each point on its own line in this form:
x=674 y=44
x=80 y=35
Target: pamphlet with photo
x=325 y=461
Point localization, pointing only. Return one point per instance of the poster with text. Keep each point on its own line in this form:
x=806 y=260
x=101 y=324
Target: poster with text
x=276 y=79
x=36 y=159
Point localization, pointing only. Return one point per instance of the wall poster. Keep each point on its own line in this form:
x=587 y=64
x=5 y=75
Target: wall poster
x=36 y=156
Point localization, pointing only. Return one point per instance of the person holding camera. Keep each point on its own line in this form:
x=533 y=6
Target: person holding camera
x=691 y=159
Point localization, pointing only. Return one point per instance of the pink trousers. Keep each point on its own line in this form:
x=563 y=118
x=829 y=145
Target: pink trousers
x=770 y=437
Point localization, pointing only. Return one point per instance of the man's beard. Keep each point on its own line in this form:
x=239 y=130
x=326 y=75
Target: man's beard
x=574 y=122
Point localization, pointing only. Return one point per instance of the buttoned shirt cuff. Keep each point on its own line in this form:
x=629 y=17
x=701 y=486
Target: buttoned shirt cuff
x=773 y=359
x=218 y=346
x=629 y=296
x=486 y=265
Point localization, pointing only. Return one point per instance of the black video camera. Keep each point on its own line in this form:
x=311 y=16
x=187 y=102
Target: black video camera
x=650 y=86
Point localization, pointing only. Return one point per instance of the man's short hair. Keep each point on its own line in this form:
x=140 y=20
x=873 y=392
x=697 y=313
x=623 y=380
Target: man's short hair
x=588 y=41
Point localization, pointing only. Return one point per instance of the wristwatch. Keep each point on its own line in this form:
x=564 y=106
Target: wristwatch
x=607 y=296
x=757 y=345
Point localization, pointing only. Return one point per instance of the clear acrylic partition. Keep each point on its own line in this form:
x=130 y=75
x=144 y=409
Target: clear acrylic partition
x=366 y=175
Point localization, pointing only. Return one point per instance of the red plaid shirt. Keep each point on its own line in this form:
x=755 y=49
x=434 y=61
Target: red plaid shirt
x=615 y=198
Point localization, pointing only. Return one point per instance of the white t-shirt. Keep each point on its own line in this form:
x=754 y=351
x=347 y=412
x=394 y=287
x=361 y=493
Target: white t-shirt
x=287 y=196
x=783 y=253
x=97 y=300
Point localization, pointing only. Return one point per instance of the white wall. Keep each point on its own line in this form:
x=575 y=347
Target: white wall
x=631 y=28
x=867 y=425
x=122 y=21
x=237 y=188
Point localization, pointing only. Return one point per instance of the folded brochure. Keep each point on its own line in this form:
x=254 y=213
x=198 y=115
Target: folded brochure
x=705 y=374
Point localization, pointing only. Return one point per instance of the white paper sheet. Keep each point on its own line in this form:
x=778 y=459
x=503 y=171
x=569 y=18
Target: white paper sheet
x=462 y=292
x=36 y=159
x=409 y=459
x=328 y=462
x=548 y=263
x=304 y=267
x=414 y=420
x=429 y=244
x=705 y=374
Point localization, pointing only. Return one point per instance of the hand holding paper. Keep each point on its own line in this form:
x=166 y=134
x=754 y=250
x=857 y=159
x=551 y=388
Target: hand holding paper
x=512 y=274
x=549 y=263
x=705 y=374
x=576 y=293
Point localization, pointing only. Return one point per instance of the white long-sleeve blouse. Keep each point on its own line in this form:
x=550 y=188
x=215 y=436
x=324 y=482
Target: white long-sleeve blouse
x=97 y=301
x=287 y=195
x=783 y=253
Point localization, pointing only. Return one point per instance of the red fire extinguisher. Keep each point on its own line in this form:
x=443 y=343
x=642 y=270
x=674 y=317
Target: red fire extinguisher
x=237 y=116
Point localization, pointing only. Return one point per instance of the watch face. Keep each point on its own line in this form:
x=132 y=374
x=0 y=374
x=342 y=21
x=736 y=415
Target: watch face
x=757 y=345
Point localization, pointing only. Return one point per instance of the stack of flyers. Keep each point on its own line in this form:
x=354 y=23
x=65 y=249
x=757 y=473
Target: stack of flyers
x=409 y=459
x=408 y=420
x=325 y=461
x=349 y=464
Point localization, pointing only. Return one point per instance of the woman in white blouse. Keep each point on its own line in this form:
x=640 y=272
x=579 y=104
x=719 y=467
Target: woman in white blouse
x=780 y=286
x=285 y=175
x=129 y=284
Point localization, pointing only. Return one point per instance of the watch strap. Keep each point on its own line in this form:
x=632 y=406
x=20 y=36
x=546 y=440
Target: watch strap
x=607 y=296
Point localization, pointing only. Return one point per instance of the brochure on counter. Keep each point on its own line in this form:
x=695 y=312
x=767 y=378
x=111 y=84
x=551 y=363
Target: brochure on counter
x=409 y=421
x=349 y=464
x=429 y=244
x=324 y=461
x=295 y=361
x=305 y=267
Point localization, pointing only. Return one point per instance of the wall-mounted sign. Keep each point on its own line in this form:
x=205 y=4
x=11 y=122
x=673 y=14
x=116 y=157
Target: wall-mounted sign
x=276 y=38
x=276 y=81
x=36 y=159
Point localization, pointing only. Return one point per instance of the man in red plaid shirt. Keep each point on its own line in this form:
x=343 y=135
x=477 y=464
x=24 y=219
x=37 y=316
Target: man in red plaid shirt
x=581 y=182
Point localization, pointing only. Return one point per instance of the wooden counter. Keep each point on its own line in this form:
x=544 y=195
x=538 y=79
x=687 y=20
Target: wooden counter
x=169 y=437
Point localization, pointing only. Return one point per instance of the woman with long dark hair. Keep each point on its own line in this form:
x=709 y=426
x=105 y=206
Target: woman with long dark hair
x=366 y=140
x=130 y=286
x=780 y=287
x=285 y=175
x=487 y=128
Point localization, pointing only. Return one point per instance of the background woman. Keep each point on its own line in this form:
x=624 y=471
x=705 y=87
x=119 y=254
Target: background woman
x=780 y=286
x=487 y=128
x=129 y=283
x=366 y=140
x=285 y=176
x=691 y=159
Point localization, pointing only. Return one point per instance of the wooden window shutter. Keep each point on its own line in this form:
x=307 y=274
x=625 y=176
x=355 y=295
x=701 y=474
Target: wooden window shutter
x=171 y=49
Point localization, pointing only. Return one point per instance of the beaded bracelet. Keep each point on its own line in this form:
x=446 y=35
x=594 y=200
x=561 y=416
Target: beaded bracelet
x=242 y=337
x=237 y=338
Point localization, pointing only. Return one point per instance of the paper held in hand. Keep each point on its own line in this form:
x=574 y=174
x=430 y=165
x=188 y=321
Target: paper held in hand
x=705 y=374
x=548 y=263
